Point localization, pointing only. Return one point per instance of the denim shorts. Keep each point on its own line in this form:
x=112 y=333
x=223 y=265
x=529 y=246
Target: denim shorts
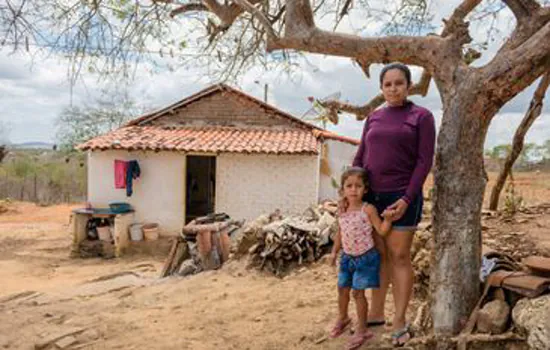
x=409 y=221
x=360 y=272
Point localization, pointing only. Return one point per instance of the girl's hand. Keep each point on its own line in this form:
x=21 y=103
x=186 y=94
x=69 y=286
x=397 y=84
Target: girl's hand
x=389 y=214
x=399 y=208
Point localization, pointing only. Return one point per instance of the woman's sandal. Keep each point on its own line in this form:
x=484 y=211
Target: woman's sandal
x=358 y=339
x=397 y=335
x=339 y=328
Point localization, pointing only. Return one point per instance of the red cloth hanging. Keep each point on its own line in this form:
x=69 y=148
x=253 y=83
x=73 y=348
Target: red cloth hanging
x=121 y=167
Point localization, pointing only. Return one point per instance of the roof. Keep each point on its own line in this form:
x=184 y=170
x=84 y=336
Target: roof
x=140 y=134
x=217 y=88
x=213 y=139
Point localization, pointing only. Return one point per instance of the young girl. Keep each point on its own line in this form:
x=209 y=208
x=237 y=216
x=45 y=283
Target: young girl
x=360 y=262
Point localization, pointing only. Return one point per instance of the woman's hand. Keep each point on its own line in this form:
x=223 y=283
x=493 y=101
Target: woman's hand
x=332 y=259
x=396 y=210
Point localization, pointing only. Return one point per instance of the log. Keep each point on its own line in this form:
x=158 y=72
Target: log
x=167 y=268
x=193 y=228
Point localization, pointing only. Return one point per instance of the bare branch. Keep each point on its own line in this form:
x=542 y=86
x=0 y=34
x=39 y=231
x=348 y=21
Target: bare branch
x=512 y=71
x=361 y=112
x=522 y=9
x=278 y=15
x=525 y=29
x=534 y=111
x=421 y=88
x=266 y=24
x=458 y=16
x=188 y=8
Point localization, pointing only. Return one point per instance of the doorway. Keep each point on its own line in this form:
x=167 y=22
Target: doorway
x=200 y=189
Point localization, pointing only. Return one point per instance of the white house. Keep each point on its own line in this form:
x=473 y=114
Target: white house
x=219 y=150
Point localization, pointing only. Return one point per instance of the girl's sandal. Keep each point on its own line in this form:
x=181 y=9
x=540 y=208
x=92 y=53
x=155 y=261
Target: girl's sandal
x=339 y=328
x=358 y=339
x=397 y=335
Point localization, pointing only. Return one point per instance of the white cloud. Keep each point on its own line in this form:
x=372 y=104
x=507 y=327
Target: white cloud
x=31 y=97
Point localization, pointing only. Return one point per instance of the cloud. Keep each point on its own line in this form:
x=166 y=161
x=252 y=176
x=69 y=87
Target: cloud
x=32 y=94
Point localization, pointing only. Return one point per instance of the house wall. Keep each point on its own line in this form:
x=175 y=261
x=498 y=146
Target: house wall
x=158 y=194
x=339 y=154
x=249 y=185
x=225 y=108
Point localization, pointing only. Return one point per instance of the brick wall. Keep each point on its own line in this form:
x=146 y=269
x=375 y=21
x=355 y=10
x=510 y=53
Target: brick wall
x=224 y=108
x=250 y=185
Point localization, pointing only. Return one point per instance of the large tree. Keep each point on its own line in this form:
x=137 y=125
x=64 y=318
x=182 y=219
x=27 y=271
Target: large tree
x=471 y=96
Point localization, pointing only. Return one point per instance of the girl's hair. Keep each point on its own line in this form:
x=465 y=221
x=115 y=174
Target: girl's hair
x=396 y=65
x=351 y=171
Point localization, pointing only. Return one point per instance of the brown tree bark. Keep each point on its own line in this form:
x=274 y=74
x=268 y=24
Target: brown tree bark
x=534 y=111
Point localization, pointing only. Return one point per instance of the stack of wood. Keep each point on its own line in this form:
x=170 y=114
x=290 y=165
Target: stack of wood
x=284 y=243
x=202 y=245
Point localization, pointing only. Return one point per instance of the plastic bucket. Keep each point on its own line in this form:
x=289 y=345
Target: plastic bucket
x=151 y=232
x=104 y=233
x=136 y=233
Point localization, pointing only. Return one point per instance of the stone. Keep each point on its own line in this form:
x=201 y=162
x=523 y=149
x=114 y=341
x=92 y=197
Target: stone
x=532 y=316
x=64 y=343
x=50 y=339
x=493 y=317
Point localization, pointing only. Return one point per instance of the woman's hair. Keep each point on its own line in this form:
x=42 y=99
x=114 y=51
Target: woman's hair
x=351 y=171
x=396 y=65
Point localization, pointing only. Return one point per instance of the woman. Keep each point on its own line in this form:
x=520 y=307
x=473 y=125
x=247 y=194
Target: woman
x=396 y=150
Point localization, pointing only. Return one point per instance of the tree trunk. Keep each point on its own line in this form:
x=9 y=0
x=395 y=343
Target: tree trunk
x=459 y=185
x=535 y=108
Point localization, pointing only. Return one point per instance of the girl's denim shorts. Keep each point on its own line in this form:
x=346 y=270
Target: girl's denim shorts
x=360 y=272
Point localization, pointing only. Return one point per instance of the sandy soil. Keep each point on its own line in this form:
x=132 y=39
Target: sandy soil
x=43 y=292
x=232 y=308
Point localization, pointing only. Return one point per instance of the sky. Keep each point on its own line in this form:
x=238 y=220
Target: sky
x=33 y=93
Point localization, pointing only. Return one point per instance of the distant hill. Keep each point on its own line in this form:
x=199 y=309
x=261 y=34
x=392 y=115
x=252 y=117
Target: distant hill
x=32 y=145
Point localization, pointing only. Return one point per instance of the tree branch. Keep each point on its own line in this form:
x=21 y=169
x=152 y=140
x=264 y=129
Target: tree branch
x=512 y=71
x=458 y=16
x=361 y=112
x=266 y=24
x=302 y=34
x=188 y=8
x=534 y=111
x=453 y=24
x=522 y=9
x=535 y=108
x=525 y=29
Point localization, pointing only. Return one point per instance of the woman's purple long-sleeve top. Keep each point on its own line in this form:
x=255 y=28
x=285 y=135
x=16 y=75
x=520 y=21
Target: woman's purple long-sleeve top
x=397 y=149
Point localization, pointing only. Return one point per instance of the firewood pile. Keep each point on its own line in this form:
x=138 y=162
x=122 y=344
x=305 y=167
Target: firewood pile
x=189 y=256
x=279 y=244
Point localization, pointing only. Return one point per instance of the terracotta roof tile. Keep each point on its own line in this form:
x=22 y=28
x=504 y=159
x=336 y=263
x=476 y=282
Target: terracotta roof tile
x=214 y=139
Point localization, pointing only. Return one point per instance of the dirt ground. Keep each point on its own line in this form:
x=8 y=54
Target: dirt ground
x=44 y=293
